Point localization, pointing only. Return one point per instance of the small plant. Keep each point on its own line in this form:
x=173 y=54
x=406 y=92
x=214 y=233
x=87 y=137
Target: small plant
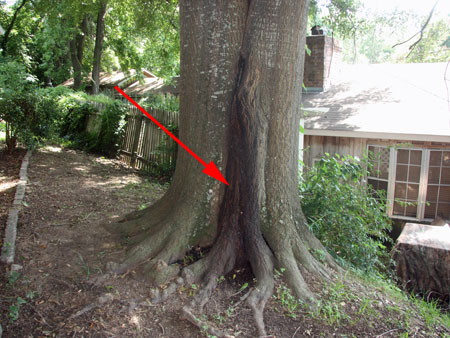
x=364 y=306
x=243 y=287
x=283 y=294
x=30 y=295
x=13 y=277
x=188 y=259
x=14 y=309
x=430 y=312
x=84 y=266
x=330 y=312
x=229 y=311
x=142 y=206
x=193 y=290
x=289 y=303
x=219 y=318
x=320 y=255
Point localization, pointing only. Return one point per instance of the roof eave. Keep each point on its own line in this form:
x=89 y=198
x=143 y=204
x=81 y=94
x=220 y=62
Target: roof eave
x=378 y=135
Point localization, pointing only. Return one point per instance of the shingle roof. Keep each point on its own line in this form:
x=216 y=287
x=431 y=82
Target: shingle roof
x=401 y=101
x=106 y=79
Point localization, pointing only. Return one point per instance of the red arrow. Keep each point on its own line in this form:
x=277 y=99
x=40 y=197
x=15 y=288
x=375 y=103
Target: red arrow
x=210 y=169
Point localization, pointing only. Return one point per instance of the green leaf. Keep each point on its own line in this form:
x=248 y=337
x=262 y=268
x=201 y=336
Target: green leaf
x=243 y=287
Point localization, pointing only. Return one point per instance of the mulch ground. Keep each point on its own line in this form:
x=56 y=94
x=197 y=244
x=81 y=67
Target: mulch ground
x=63 y=248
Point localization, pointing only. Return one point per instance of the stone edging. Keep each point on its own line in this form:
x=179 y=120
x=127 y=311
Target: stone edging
x=9 y=243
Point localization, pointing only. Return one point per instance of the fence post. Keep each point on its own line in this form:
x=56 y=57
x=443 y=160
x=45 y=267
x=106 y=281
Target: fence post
x=136 y=141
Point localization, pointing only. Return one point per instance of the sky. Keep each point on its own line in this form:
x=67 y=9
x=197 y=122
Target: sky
x=419 y=6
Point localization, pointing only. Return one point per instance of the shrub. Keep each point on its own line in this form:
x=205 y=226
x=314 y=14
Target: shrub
x=105 y=137
x=165 y=102
x=108 y=137
x=16 y=98
x=47 y=109
x=75 y=109
x=32 y=114
x=345 y=214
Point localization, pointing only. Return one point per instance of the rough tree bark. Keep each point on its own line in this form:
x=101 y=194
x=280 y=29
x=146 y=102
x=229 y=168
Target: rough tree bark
x=98 y=48
x=76 y=53
x=241 y=77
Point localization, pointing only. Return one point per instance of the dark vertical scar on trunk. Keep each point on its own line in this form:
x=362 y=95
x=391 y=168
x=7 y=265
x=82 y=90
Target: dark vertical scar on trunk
x=239 y=215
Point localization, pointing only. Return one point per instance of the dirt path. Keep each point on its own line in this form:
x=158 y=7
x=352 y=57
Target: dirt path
x=61 y=246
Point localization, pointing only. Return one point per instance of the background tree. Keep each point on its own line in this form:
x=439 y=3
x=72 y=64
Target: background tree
x=77 y=51
x=10 y=26
x=56 y=40
x=431 y=46
x=241 y=76
x=98 y=48
x=153 y=26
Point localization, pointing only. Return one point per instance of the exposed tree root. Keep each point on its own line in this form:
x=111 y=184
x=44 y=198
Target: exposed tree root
x=186 y=313
x=156 y=255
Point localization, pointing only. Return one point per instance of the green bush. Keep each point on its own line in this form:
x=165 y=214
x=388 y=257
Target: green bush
x=107 y=139
x=32 y=114
x=165 y=102
x=345 y=214
x=47 y=109
x=76 y=109
x=16 y=103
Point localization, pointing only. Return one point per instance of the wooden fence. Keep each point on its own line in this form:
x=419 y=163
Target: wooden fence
x=145 y=145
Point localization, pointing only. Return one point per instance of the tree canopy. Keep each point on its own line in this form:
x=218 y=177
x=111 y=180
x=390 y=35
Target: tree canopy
x=56 y=39
x=376 y=36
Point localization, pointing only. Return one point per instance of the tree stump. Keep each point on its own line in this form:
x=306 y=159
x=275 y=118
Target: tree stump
x=422 y=254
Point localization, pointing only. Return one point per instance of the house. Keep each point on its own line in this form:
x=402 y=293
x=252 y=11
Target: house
x=399 y=113
x=130 y=82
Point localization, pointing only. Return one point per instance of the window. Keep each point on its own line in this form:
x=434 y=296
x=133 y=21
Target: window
x=379 y=175
x=416 y=181
x=407 y=181
x=438 y=190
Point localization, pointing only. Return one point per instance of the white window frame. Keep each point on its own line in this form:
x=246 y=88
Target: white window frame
x=423 y=183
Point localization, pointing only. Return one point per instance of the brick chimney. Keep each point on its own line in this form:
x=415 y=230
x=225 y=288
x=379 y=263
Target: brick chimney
x=322 y=63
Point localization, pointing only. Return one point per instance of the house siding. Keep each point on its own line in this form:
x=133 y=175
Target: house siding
x=317 y=146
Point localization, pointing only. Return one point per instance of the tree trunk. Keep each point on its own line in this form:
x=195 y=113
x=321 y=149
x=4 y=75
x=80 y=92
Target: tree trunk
x=11 y=139
x=98 y=48
x=241 y=77
x=76 y=53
